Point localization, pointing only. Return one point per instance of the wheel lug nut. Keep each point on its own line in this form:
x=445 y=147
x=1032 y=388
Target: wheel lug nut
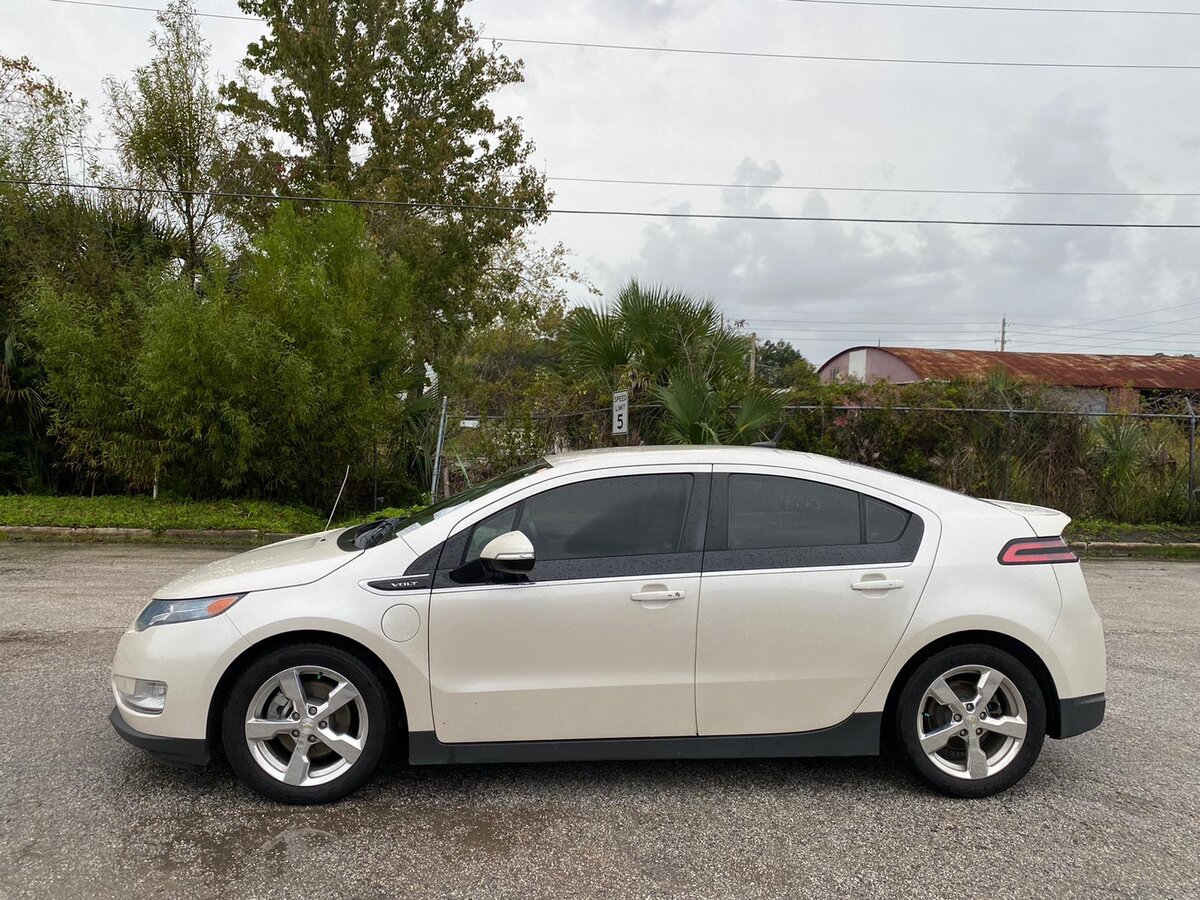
x=963 y=733
x=312 y=710
x=295 y=717
x=970 y=707
x=311 y=739
x=324 y=725
x=957 y=718
x=977 y=731
x=295 y=734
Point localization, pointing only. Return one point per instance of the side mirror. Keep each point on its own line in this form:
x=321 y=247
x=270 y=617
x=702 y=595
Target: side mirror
x=510 y=554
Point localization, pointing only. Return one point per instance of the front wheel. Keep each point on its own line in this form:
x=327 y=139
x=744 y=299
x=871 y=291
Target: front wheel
x=306 y=724
x=971 y=720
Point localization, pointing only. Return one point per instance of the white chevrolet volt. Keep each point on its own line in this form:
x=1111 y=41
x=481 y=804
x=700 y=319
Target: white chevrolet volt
x=641 y=603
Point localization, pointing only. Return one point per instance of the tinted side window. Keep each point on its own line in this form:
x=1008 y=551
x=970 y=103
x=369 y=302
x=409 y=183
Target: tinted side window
x=768 y=511
x=885 y=523
x=625 y=516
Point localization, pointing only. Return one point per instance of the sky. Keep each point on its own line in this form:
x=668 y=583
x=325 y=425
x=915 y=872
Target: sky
x=799 y=124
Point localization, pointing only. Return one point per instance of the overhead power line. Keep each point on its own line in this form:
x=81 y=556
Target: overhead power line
x=1178 y=346
x=821 y=57
x=872 y=190
x=646 y=182
x=1090 y=332
x=744 y=54
x=155 y=9
x=1074 y=332
x=888 y=4
x=1144 y=312
x=615 y=213
x=979 y=7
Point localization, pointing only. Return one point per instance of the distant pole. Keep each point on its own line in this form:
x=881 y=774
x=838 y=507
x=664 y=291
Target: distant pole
x=1003 y=332
x=374 y=472
x=753 y=353
x=437 y=454
x=1191 y=459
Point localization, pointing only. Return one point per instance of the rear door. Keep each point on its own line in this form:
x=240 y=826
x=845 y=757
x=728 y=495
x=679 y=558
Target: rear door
x=599 y=642
x=808 y=585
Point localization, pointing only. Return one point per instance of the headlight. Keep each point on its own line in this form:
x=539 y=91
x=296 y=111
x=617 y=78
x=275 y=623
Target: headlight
x=164 y=612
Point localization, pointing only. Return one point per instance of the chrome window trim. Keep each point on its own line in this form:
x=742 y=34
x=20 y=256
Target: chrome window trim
x=611 y=579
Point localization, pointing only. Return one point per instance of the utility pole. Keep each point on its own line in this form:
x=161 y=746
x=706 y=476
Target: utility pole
x=437 y=453
x=753 y=353
x=1003 y=332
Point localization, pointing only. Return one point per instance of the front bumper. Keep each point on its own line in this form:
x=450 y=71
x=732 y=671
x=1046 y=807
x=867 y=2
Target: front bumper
x=186 y=753
x=1079 y=714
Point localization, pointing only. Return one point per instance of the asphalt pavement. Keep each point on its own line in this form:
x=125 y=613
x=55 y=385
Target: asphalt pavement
x=1112 y=813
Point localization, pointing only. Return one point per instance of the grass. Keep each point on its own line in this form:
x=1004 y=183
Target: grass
x=157 y=515
x=1146 y=532
x=170 y=513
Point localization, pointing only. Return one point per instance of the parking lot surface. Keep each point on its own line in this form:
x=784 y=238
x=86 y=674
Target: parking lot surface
x=1113 y=813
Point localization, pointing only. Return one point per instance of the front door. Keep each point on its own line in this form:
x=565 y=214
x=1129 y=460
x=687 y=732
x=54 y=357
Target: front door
x=808 y=585
x=599 y=642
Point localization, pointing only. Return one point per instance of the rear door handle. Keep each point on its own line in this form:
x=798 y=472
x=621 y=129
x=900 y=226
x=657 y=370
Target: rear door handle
x=878 y=584
x=653 y=596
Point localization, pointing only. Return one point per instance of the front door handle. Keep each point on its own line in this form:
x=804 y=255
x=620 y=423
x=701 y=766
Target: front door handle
x=656 y=596
x=877 y=584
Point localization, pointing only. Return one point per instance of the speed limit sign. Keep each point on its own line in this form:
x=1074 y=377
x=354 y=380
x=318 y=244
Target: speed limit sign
x=620 y=423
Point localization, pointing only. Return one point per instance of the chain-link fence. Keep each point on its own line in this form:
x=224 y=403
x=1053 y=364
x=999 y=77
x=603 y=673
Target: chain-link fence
x=1124 y=466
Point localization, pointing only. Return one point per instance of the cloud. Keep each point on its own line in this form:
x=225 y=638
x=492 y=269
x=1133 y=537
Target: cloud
x=766 y=272
x=678 y=117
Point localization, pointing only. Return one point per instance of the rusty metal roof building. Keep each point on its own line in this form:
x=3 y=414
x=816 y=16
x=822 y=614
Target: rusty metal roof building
x=1085 y=370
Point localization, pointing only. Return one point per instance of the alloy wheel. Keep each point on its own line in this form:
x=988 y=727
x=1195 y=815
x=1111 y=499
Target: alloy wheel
x=972 y=722
x=306 y=725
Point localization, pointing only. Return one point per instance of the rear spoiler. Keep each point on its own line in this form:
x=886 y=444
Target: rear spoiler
x=1044 y=521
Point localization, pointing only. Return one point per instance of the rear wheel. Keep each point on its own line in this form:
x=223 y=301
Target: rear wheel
x=307 y=724
x=971 y=720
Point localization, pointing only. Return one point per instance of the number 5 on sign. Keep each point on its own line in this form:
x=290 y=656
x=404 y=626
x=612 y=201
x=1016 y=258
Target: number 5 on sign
x=620 y=423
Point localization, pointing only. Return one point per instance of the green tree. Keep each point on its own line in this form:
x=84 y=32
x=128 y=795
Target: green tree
x=774 y=360
x=268 y=383
x=51 y=235
x=43 y=129
x=168 y=131
x=404 y=87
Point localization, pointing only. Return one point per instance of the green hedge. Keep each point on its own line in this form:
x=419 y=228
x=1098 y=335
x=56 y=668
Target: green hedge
x=158 y=515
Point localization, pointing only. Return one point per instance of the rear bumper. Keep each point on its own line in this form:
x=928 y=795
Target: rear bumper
x=187 y=753
x=1079 y=714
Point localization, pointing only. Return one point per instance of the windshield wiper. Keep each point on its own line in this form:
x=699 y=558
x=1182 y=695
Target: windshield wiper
x=375 y=533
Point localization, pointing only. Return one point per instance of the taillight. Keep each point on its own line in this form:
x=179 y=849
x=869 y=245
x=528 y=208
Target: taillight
x=1031 y=551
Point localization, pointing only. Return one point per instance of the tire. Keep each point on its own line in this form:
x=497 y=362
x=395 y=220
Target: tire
x=316 y=751
x=984 y=750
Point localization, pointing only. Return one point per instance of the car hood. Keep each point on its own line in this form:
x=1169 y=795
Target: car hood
x=301 y=560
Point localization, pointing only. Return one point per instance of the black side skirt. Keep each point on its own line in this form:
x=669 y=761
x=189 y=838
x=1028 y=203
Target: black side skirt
x=185 y=753
x=856 y=736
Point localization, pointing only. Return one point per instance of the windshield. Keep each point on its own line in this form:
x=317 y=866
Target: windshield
x=443 y=507
x=377 y=532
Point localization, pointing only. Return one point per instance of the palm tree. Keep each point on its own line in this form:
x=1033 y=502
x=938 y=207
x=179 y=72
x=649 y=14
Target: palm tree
x=676 y=349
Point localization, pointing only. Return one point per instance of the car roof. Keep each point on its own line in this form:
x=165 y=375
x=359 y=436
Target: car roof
x=606 y=457
x=686 y=453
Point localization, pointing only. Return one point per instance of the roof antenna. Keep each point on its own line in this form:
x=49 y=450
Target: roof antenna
x=773 y=442
x=345 y=478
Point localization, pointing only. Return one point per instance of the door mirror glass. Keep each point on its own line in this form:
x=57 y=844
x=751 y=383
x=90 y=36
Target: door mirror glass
x=510 y=554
